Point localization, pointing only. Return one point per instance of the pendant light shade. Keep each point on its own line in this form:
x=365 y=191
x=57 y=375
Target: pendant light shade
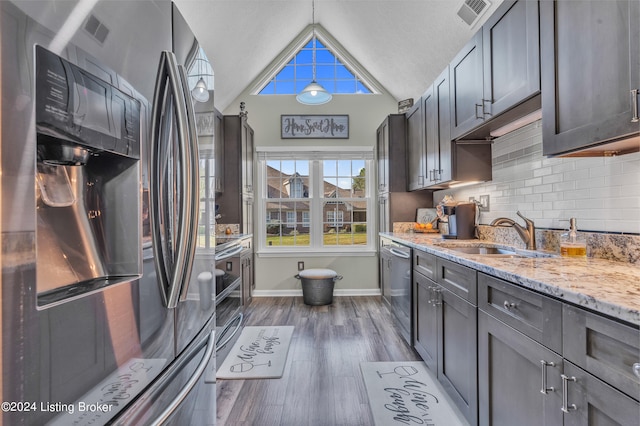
x=314 y=94
x=200 y=93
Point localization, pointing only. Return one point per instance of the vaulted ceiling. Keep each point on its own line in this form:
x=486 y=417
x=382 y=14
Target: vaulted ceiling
x=404 y=44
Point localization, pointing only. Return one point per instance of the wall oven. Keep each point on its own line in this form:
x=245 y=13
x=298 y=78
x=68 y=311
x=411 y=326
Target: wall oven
x=228 y=285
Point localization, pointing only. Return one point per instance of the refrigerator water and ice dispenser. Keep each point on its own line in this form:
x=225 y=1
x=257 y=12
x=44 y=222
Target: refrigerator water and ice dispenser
x=88 y=182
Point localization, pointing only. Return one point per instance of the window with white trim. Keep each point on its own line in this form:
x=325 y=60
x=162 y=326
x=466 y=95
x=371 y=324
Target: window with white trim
x=323 y=201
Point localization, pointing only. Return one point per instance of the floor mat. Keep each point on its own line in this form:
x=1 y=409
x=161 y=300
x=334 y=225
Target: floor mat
x=405 y=393
x=259 y=353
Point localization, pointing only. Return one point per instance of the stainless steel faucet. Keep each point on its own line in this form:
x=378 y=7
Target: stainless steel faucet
x=528 y=235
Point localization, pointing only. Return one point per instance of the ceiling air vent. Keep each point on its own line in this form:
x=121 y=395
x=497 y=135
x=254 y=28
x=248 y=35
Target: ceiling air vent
x=471 y=10
x=96 y=28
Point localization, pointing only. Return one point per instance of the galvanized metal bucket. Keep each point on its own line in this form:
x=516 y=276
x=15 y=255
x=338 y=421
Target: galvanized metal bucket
x=317 y=286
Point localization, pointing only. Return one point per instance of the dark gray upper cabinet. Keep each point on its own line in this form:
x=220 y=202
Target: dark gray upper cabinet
x=236 y=202
x=465 y=77
x=511 y=56
x=448 y=161
x=395 y=204
x=590 y=66
x=392 y=160
x=495 y=78
x=416 y=156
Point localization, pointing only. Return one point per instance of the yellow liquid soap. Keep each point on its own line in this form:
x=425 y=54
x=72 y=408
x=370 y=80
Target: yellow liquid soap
x=573 y=250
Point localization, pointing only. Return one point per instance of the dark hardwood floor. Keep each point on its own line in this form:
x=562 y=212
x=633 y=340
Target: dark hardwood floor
x=322 y=383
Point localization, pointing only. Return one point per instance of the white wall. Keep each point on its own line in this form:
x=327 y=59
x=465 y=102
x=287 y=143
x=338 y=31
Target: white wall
x=602 y=193
x=274 y=275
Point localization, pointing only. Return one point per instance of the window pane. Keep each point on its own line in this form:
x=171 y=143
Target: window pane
x=344 y=168
x=343 y=73
x=274 y=188
x=285 y=87
x=330 y=168
x=269 y=89
x=325 y=72
x=304 y=72
x=345 y=86
x=329 y=85
x=305 y=57
x=287 y=73
x=323 y=56
x=361 y=88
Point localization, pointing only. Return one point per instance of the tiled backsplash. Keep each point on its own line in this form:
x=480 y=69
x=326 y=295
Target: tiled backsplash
x=602 y=193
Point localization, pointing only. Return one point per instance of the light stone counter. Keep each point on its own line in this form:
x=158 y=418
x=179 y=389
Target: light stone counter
x=605 y=286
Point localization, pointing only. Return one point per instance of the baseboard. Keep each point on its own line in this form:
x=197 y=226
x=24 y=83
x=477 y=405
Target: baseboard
x=298 y=293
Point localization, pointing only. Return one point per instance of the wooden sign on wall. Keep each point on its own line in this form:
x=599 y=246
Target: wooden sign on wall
x=314 y=126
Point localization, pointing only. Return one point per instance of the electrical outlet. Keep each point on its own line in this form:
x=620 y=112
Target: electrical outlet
x=300 y=266
x=484 y=203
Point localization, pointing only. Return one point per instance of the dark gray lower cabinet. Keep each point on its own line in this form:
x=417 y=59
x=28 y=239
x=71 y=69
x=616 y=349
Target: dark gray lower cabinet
x=457 y=352
x=520 y=357
x=445 y=327
x=425 y=316
x=590 y=401
x=513 y=371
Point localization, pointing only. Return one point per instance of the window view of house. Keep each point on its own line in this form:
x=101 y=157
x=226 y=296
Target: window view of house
x=316 y=202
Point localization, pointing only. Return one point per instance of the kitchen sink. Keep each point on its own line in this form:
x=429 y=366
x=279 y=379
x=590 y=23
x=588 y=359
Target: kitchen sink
x=487 y=251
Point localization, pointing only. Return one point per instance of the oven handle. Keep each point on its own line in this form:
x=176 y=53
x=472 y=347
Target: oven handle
x=228 y=325
x=209 y=341
x=230 y=252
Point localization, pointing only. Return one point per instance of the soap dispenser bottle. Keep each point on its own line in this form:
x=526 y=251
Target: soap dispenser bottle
x=571 y=243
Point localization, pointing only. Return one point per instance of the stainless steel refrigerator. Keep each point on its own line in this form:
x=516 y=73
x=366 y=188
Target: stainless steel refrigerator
x=106 y=217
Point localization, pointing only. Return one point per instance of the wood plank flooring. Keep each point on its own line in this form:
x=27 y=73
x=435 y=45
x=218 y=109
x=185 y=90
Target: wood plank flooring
x=322 y=383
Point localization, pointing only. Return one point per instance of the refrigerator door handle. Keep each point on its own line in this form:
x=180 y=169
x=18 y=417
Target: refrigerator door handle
x=210 y=342
x=192 y=175
x=170 y=262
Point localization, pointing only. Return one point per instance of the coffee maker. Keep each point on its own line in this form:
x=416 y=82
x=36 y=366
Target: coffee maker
x=462 y=221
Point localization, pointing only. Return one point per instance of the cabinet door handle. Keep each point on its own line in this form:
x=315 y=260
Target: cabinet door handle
x=636 y=369
x=544 y=389
x=484 y=101
x=566 y=408
x=634 y=103
x=438 y=296
x=480 y=117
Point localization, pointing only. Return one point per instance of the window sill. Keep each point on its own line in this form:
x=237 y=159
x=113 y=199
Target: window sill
x=363 y=252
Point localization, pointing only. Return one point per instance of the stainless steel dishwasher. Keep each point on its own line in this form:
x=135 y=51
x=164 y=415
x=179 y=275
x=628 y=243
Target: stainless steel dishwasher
x=395 y=273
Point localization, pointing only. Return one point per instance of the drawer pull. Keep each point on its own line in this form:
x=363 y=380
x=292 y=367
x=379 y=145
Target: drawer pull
x=509 y=305
x=636 y=369
x=634 y=103
x=544 y=389
x=566 y=408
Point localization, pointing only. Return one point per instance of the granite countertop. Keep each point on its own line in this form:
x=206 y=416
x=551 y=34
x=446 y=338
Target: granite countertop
x=605 y=286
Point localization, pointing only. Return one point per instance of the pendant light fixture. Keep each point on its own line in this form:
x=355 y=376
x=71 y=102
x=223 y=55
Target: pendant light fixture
x=200 y=92
x=314 y=93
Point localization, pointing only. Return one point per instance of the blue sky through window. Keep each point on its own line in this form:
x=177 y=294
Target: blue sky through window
x=331 y=73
